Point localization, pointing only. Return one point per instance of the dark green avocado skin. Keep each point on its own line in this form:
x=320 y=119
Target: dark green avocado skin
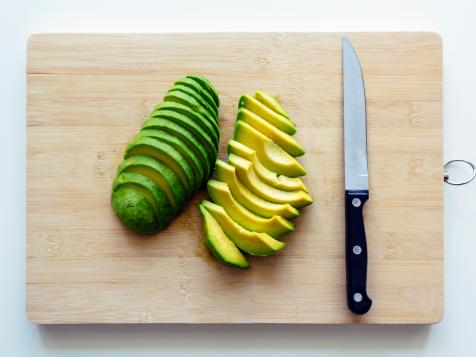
x=170 y=159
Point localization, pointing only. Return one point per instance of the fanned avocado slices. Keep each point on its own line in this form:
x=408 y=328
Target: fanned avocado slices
x=161 y=174
x=212 y=111
x=152 y=193
x=194 y=84
x=271 y=103
x=190 y=155
x=168 y=155
x=205 y=83
x=210 y=129
x=186 y=136
x=219 y=244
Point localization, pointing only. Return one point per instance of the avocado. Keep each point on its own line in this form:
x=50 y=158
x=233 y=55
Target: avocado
x=285 y=141
x=190 y=155
x=219 y=244
x=276 y=226
x=179 y=97
x=134 y=210
x=247 y=175
x=168 y=155
x=210 y=129
x=165 y=117
x=205 y=83
x=272 y=178
x=192 y=83
x=161 y=174
x=211 y=111
x=271 y=103
x=272 y=156
x=226 y=173
x=267 y=114
x=187 y=137
x=260 y=244
x=152 y=193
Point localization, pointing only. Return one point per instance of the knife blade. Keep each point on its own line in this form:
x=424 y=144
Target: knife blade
x=356 y=179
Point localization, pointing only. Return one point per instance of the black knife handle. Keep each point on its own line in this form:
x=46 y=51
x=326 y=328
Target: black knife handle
x=356 y=252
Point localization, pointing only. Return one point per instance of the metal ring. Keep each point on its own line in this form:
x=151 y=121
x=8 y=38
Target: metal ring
x=464 y=182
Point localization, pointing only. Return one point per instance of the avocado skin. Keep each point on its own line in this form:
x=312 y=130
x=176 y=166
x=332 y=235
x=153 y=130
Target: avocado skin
x=205 y=83
x=169 y=160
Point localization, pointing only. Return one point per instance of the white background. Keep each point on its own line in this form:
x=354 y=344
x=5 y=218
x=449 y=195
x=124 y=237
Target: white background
x=453 y=19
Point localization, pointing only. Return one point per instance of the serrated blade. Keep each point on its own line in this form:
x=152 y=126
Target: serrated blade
x=355 y=121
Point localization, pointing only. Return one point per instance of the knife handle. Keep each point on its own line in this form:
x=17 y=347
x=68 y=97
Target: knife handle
x=356 y=252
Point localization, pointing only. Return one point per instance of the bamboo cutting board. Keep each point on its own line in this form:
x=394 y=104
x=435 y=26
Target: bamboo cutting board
x=88 y=95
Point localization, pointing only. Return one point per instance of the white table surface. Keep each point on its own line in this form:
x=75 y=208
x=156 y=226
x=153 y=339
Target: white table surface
x=453 y=19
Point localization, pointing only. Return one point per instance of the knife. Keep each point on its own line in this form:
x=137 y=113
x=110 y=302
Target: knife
x=356 y=180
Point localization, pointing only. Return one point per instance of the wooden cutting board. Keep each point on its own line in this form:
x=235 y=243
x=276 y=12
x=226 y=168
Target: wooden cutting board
x=88 y=95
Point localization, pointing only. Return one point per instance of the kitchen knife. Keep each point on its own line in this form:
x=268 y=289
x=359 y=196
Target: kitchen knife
x=356 y=180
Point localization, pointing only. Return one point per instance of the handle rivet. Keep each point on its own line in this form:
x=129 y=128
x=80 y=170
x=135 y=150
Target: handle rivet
x=356 y=202
x=357 y=297
x=356 y=249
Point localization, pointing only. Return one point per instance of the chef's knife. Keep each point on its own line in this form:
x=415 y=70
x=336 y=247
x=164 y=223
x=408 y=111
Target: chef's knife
x=356 y=180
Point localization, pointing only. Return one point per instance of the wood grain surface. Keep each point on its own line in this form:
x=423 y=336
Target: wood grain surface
x=88 y=95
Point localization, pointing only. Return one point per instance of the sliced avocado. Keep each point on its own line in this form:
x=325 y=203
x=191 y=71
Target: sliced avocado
x=190 y=155
x=276 y=226
x=247 y=175
x=179 y=97
x=271 y=103
x=211 y=130
x=287 y=142
x=187 y=137
x=260 y=244
x=153 y=193
x=258 y=108
x=272 y=156
x=192 y=83
x=226 y=173
x=205 y=83
x=161 y=174
x=219 y=244
x=211 y=111
x=134 y=209
x=272 y=178
x=165 y=117
x=168 y=155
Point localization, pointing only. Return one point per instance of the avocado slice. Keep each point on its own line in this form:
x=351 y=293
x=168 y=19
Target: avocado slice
x=258 y=108
x=152 y=193
x=161 y=174
x=166 y=117
x=192 y=83
x=271 y=103
x=247 y=175
x=187 y=100
x=187 y=137
x=227 y=173
x=211 y=111
x=134 y=209
x=260 y=244
x=287 y=142
x=211 y=130
x=276 y=226
x=205 y=83
x=272 y=178
x=190 y=155
x=219 y=244
x=168 y=155
x=272 y=156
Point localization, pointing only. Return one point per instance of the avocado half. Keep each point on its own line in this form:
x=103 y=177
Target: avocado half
x=170 y=159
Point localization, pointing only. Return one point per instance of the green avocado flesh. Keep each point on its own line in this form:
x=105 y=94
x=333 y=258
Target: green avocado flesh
x=219 y=244
x=171 y=157
x=205 y=83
